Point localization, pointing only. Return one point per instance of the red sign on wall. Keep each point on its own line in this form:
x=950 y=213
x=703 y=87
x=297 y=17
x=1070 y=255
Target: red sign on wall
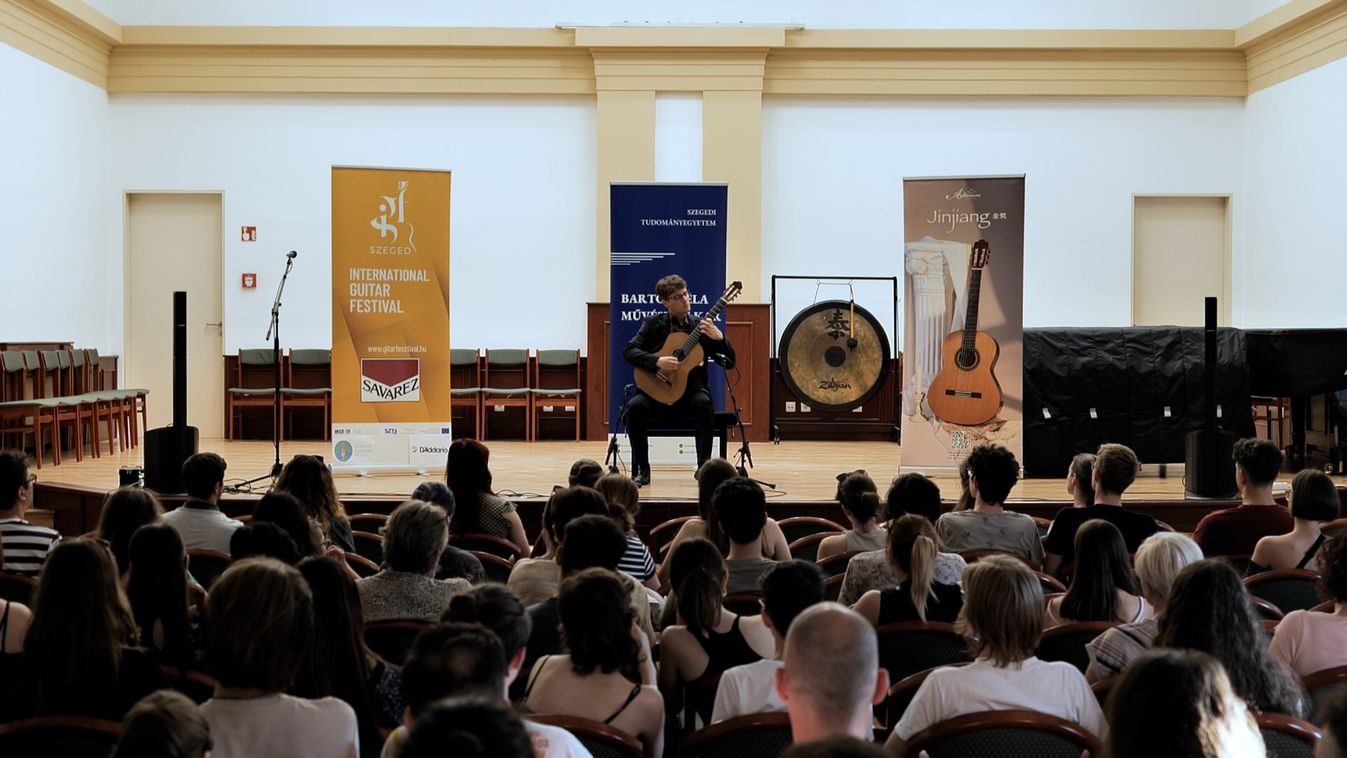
x=249 y=234
x=249 y=281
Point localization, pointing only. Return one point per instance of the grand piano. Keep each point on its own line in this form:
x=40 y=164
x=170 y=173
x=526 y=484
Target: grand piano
x=1299 y=364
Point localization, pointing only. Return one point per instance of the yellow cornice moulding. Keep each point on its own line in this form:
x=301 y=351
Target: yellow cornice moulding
x=1293 y=39
x=67 y=34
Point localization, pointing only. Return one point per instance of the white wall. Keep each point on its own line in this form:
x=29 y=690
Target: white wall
x=52 y=207
x=1297 y=267
x=858 y=14
x=833 y=171
x=523 y=202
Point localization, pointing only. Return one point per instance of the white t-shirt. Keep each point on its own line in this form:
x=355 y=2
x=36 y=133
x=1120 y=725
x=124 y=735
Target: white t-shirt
x=1056 y=688
x=548 y=742
x=748 y=689
x=201 y=526
x=282 y=726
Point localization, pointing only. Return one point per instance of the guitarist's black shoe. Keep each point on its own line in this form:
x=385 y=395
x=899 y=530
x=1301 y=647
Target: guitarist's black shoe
x=641 y=479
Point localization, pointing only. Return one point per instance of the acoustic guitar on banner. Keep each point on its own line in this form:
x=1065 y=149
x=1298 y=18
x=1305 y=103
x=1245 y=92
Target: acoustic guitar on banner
x=965 y=391
x=668 y=386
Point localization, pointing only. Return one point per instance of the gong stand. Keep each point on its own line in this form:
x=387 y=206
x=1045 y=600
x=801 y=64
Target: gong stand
x=745 y=454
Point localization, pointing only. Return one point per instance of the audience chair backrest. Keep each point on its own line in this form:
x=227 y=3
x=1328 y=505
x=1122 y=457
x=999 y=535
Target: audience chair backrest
x=368 y=545
x=1321 y=686
x=602 y=740
x=496 y=568
x=912 y=646
x=361 y=565
x=64 y=736
x=797 y=527
x=1288 y=589
x=207 y=565
x=1067 y=642
x=392 y=640
x=486 y=543
x=833 y=565
x=663 y=533
x=1287 y=737
x=806 y=548
x=1005 y=733
x=743 y=603
x=759 y=735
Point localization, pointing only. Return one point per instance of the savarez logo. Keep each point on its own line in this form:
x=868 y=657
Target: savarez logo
x=394 y=208
x=964 y=193
x=390 y=380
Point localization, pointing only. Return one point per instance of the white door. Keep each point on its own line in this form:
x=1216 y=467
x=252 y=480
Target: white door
x=1180 y=255
x=174 y=243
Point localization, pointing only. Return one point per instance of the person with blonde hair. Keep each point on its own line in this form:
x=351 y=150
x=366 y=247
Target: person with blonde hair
x=1158 y=561
x=1000 y=622
x=164 y=724
x=912 y=551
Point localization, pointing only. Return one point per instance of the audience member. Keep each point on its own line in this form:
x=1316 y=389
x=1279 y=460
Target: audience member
x=308 y=478
x=830 y=677
x=285 y=511
x=260 y=627
x=534 y=580
x=584 y=472
x=992 y=471
x=606 y=673
x=1079 y=480
x=406 y=587
x=1236 y=531
x=1209 y=611
x=1333 y=721
x=1101 y=588
x=1113 y=471
x=79 y=657
x=479 y=510
x=1158 y=561
x=164 y=724
x=859 y=498
x=468 y=727
x=1314 y=499
x=1180 y=703
x=263 y=539
x=912 y=552
x=14 y=619
x=198 y=520
x=156 y=587
x=909 y=493
x=741 y=511
x=25 y=544
x=966 y=499
x=125 y=510
x=1305 y=641
x=707 y=638
x=787 y=589
x=454 y=562
x=624 y=503
x=1001 y=619
x=339 y=663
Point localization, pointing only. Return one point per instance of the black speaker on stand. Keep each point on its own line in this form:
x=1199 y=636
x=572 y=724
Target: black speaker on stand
x=1209 y=471
x=167 y=448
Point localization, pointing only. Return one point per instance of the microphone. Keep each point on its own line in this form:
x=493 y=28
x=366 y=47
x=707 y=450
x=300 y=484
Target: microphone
x=722 y=360
x=291 y=255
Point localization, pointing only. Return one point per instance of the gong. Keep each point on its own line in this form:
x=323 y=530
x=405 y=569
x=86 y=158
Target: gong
x=834 y=355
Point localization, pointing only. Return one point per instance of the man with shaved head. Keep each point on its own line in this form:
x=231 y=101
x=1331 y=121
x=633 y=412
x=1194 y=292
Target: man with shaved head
x=831 y=676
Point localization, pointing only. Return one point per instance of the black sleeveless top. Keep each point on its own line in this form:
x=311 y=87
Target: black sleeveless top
x=896 y=605
x=725 y=650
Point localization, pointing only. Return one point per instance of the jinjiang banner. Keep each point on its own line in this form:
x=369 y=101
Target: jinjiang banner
x=390 y=318
x=661 y=229
x=963 y=318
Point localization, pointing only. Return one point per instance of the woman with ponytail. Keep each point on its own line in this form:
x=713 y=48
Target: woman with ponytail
x=1102 y=588
x=859 y=497
x=912 y=552
x=706 y=639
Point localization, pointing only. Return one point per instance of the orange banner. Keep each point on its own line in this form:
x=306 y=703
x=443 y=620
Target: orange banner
x=390 y=316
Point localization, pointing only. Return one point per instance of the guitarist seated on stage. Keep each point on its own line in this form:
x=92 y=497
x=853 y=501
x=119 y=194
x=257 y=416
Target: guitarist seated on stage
x=694 y=408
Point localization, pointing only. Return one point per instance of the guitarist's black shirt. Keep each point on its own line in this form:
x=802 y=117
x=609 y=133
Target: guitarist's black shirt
x=641 y=350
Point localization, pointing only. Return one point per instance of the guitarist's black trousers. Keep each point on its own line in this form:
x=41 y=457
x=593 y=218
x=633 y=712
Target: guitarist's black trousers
x=644 y=413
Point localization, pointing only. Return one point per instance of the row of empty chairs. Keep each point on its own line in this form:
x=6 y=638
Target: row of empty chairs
x=253 y=385
x=544 y=384
x=45 y=391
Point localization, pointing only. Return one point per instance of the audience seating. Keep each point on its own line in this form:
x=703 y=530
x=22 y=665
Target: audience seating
x=1286 y=736
x=973 y=556
x=1050 y=583
x=20 y=414
x=1067 y=642
x=207 y=565
x=912 y=646
x=64 y=736
x=1265 y=609
x=1005 y=733
x=832 y=587
x=304 y=394
x=497 y=569
x=17 y=588
x=796 y=527
x=369 y=546
x=600 y=739
x=759 y=735
x=663 y=533
x=392 y=640
x=1322 y=685
x=833 y=565
x=368 y=522
x=1288 y=589
x=556 y=382
x=743 y=603
x=196 y=685
x=1103 y=687
x=901 y=693
x=252 y=386
x=361 y=565
x=806 y=548
x=466 y=362
x=486 y=543
x=509 y=388
x=1240 y=563
x=699 y=699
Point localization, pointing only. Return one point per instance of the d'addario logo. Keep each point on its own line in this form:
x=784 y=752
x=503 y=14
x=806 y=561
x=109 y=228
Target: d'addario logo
x=390 y=380
x=964 y=193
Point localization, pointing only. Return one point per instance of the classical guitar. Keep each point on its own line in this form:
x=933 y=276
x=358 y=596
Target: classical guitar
x=965 y=391
x=668 y=386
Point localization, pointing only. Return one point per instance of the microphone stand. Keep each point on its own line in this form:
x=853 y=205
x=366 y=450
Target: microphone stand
x=274 y=334
x=745 y=454
x=613 y=460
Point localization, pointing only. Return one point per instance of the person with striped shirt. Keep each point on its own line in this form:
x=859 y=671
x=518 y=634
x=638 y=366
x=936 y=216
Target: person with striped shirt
x=25 y=545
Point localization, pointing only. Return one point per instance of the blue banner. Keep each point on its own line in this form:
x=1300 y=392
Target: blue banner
x=657 y=230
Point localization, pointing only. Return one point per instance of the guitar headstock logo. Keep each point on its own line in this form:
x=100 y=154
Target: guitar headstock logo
x=981 y=253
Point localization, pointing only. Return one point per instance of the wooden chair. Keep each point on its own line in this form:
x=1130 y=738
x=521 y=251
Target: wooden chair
x=207 y=565
x=486 y=543
x=796 y=527
x=252 y=386
x=465 y=365
x=368 y=522
x=663 y=533
x=973 y=556
x=556 y=382
x=497 y=568
x=759 y=735
x=1050 y=583
x=196 y=685
x=64 y=736
x=1240 y=563
x=1286 y=736
x=834 y=565
x=602 y=740
x=126 y=402
x=66 y=410
x=392 y=640
x=17 y=588
x=806 y=548
x=832 y=587
x=1320 y=686
x=306 y=392
x=743 y=603
x=369 y=546
x=1103 y=687
x=900 y=695
x=1288 y=589
x=911 y=646
x=1067 y=642
x=361 y=565
x=503 y=390
x=21 y=415
x=1005 y=733
x=1265 y=610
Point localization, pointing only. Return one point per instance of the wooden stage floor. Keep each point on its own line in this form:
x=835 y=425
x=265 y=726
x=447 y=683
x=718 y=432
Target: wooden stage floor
x=803 y=471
